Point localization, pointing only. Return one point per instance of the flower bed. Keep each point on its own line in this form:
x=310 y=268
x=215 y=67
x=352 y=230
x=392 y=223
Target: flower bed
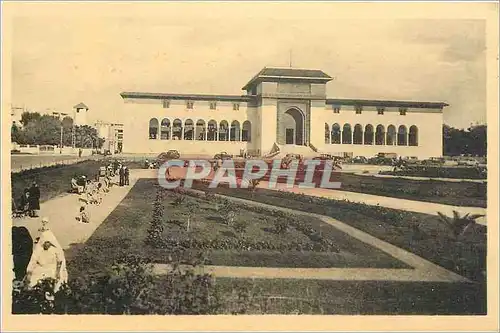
x=254 y=237
x=421 y=234
x=440 y=172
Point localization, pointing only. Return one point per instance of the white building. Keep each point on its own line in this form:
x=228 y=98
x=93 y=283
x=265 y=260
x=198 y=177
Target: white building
x=80 y=114
x=284 y=107
x=112 y=133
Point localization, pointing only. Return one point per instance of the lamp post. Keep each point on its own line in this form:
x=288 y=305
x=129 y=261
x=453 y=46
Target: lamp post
x=61 y=141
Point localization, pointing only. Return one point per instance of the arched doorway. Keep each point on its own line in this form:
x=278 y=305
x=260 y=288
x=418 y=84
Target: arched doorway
x=293 y=122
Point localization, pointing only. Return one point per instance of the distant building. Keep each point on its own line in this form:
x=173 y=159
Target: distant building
x=112 y=133
x=80 y=114
x=16 y=113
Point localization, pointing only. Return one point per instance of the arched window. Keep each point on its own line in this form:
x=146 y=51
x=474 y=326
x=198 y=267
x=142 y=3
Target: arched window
x=413 y=136
x=402 y=136
x=380 y=135
x=368 y=135
x=223 y=131
x=235 y=131
x=188 y=130
x=177 y=129
x=246 y=132
x=358 y=135
x=153 y=128
x=327 y=133
x=336 y=133
x=391 y=135
x=165 y=129
x=200 y=131
x=347 y=134
x=212 y=130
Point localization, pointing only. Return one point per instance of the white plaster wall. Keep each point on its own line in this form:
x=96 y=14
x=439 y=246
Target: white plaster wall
x=138 y=112
x=268 y=124
x=428 y=121
x=317 y=135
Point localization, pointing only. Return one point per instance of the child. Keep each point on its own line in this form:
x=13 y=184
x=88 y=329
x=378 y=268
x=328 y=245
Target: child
x=83 y=216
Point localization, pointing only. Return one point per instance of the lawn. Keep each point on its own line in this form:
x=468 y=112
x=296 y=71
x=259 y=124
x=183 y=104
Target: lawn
x=54 y=180
x=125 y=230
x=456 y=172
x=421 y=234
x=284 y=296
x=449 y=193
x=252 y=239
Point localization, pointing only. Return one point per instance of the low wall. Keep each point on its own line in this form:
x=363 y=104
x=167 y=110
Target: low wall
x=49 y=150
x=188 y=147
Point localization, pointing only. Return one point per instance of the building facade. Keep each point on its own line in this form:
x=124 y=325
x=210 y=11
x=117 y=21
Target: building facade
x=112 y=133
x=286 y=108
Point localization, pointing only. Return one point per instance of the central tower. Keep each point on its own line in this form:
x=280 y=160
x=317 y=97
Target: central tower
x=290 y=102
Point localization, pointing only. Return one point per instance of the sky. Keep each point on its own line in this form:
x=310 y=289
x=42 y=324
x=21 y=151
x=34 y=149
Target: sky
x=59 y=61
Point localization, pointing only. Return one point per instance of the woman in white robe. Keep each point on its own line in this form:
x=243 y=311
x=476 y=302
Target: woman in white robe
x=47 y=261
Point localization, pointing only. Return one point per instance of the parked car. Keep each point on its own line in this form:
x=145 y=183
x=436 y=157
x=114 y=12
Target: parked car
x=169 y=155
x=294 y=156
x=411 y=160
x=468 y=162
x=359 y=160
x=377 y=160
x=434 y=161
x=324 y=157
x=173 y=154
x=387 y=155
x=223 y=156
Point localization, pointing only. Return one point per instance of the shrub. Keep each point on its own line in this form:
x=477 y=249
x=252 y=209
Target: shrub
x=179 y=199
x=227 y=212
x=155 y=230
x=280 y=226
x=128 y=287
x=240 y=226
x=458 y=225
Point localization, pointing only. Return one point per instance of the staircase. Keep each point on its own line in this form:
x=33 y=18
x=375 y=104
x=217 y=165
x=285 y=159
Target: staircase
x=305 y=151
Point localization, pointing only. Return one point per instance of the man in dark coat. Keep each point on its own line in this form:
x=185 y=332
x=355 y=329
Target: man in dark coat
x=34 y=199
x=127 y=175
x=122 y=176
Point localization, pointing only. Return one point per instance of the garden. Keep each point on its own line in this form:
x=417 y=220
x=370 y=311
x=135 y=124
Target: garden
x=52 y=180
x=457 y=243
x=456 y=172
x=222 y=232
x=449 y=193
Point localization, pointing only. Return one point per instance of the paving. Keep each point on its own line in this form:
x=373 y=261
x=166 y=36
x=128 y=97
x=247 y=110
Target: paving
x=62 y=211
x=453 y=180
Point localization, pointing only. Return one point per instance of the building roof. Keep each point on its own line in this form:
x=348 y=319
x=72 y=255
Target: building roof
x=80 y=106
x=282 y=73
x=198 y=97
x=385 y=103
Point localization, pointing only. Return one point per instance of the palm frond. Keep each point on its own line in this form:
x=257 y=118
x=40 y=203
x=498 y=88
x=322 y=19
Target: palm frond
x=456 y=215
x=444 y=218
x=476 y=216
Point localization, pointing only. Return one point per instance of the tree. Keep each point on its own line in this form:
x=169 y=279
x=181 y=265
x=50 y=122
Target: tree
x=28 y=117
x=16 y=134
x=460 y=141
x=87 y=137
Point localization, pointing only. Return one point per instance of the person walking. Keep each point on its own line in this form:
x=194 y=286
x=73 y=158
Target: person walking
x=122 y=176
x=34 y=199
x=126 y=175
